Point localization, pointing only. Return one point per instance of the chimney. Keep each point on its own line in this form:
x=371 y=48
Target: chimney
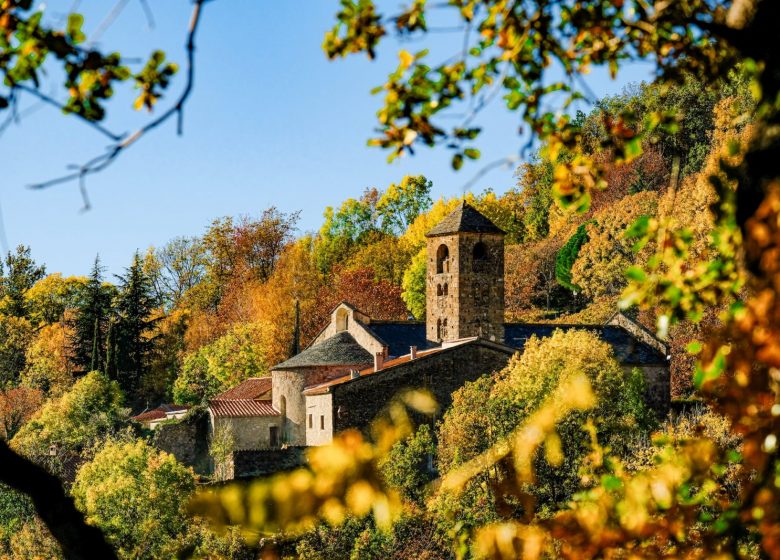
x=385 y=352
x=379 y=360
x=413 y=352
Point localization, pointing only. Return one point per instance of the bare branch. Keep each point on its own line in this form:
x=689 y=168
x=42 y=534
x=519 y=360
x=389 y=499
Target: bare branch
x=54 y=103
x=100 y=162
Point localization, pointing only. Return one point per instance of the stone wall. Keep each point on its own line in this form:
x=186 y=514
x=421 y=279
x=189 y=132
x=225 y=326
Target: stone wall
x=319 y=412
x=442 y=307
x=186 y=439
x=358 y=402
x=250 y=464
x=250 y=432
x=658 y=391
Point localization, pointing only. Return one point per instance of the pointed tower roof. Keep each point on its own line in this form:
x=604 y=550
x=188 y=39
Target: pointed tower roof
x=465 y=218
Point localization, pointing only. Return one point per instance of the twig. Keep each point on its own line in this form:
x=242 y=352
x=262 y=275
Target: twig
x=507 y=161
x=54 y=103
x=108 y=20
x=99 y=163
x=148 y=12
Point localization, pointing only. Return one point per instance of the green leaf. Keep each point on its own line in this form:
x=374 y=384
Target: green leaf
x=457 y=161
x=471 y=153
x=75 y=21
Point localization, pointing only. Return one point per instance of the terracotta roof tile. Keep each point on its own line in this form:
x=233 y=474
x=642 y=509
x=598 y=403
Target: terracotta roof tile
x=252 y=388
x=241 y=407
x=160 y=412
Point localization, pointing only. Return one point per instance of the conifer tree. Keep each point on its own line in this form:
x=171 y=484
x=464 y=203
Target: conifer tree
x=91 y=320
x=23 y=272
x=135 y=305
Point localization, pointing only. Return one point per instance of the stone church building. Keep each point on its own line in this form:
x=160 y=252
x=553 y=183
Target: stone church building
x=356 y=364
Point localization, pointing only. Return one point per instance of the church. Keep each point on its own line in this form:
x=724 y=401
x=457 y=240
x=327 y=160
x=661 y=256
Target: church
x=356 y=364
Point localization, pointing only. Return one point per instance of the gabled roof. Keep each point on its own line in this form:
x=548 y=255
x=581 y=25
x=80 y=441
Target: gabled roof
x=465 y=218
x=241 y=408
x=340 y=349
x=628 y=349
x=252 y=388
x=399 y=336
x=251 y=397
x=159 y=413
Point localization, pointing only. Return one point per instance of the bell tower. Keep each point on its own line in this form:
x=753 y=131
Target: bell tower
x=465 y=277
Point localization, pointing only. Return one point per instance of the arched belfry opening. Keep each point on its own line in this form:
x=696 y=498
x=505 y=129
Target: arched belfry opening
x=342 y=320
x=479 y=257
x=442 y=259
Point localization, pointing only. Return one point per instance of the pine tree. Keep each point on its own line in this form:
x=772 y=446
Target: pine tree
x=135 y=305
x=22 y=274
x=91 y=321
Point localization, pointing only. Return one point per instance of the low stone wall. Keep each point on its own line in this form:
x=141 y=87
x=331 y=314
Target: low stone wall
x=186 y=439
x=264 y=462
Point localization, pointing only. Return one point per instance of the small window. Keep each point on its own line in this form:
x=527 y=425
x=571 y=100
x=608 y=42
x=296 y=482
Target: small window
x=438 y=329
x=274 y=436
x=442 y=259
x=322 y=422
x=439 y=291
x=446 y=289
x=311 y=422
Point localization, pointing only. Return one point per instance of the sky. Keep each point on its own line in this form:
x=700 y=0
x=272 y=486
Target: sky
x=271 y=122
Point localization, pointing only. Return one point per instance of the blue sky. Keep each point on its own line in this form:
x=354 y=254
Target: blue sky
x=271 y=122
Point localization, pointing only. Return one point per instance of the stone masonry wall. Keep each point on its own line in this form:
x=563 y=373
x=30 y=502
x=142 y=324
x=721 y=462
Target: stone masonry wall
x=357 y=402
x=186 y=439
x=658 y=391
x=249 y=432
x=441 y=307
x=481 y=309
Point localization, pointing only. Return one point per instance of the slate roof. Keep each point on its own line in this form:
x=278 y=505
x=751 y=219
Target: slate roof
x=241 y=408
x=159 y=413
x=628 y=349
x=339 y=349
x=465 y=218
x=399 y=336
x=252 y=388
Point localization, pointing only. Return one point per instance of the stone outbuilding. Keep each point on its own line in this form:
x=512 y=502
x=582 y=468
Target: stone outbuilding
x=356 y=364
x=247 y=413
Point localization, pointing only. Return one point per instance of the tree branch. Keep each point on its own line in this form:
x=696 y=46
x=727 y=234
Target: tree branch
x=99 y=163
x=78 y=540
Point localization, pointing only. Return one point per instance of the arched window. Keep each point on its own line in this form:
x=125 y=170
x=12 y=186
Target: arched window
x=438 y=329
x=342 y=320
x=442 y=259
x=439 y=291
x=480 y=257
x=444 y=329
x=446 y=289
